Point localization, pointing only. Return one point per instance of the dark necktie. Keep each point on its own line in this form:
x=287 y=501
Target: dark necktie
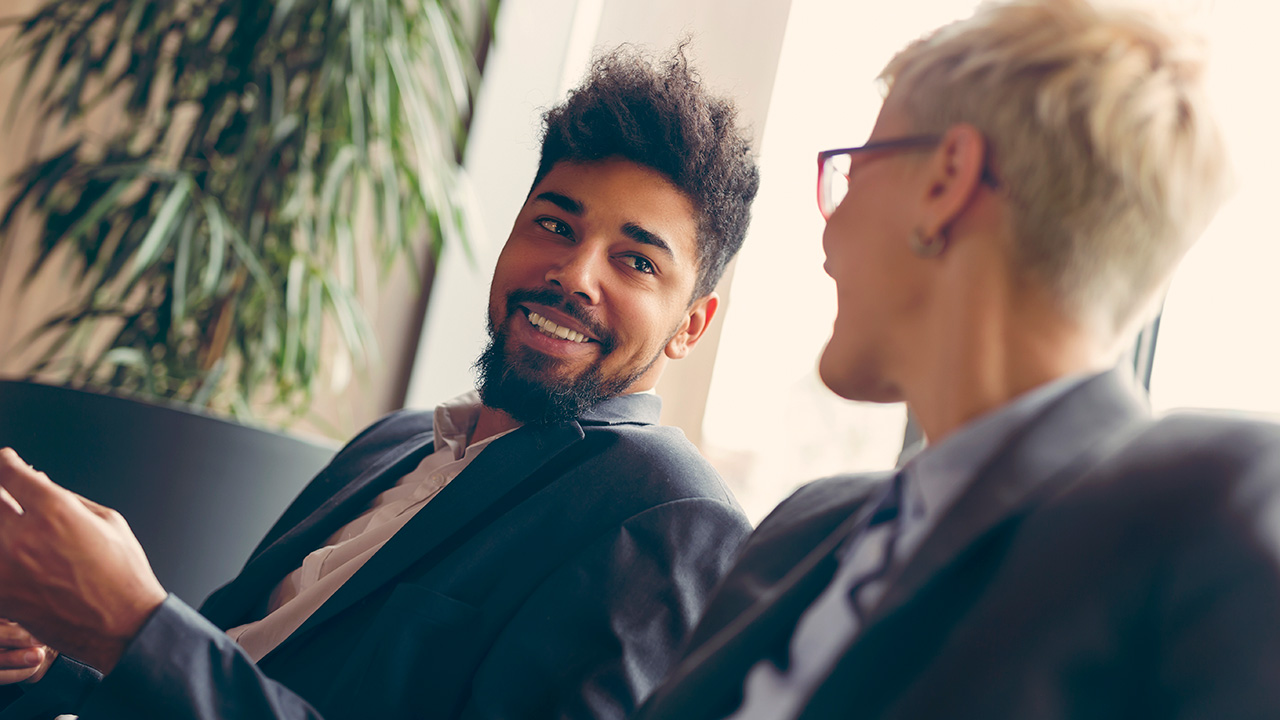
x=886 y=518
x=776 y=686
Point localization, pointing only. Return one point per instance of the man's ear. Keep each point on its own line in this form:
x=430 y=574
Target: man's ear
x=693 y=326
x=954 y=176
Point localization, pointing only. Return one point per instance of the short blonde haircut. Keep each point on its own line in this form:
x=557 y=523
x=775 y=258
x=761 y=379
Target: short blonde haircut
x=1099 y=130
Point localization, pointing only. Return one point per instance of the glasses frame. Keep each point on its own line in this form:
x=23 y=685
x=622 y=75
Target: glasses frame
x=910 y=142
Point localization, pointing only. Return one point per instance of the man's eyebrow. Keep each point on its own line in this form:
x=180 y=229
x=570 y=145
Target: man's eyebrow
x=564 y=202
x=640 y=235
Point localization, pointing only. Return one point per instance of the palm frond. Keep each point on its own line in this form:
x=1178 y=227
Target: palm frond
x=215 y=228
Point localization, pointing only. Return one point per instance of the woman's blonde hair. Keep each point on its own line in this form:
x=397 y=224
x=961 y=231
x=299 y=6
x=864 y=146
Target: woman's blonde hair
x=1099 y=130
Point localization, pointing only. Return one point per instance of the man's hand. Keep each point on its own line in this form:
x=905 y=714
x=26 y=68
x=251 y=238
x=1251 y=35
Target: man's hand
x=71 y=571
x=23 y=659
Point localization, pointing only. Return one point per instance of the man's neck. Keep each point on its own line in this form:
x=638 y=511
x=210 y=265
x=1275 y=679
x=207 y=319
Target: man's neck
x=491 y=422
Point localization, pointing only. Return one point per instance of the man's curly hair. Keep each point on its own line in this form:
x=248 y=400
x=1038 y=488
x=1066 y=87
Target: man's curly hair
x=658 y=115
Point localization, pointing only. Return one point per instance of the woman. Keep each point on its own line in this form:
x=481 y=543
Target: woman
x=1035 y=174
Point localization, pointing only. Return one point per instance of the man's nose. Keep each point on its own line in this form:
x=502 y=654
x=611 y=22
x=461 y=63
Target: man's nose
x=578 y=273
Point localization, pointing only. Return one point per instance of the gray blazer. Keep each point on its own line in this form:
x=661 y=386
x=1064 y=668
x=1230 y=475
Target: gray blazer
x=1103 y=565
x=554 y=577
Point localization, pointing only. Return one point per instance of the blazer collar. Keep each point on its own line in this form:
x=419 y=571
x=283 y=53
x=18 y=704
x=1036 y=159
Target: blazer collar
x=633 y=409
x=231 y=604
x=481 y=493
x=728 y=655
x=1065 y=443
x=1062 y=442
x=471 y=501
x=1058 y=443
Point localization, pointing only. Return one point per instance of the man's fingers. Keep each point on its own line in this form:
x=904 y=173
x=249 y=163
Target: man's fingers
x=13 y=635
x=8 y=504
x=24 y=483
x=23 y=659
x=101 y=511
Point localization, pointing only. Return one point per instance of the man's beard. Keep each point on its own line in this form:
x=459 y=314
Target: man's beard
x=511 y=382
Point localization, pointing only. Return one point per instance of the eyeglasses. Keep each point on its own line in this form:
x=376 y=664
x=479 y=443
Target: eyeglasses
x=834 y=167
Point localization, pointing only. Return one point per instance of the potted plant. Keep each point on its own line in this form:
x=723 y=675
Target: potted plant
x=262 y=149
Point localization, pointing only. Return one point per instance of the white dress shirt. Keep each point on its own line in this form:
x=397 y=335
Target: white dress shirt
x=305 y=590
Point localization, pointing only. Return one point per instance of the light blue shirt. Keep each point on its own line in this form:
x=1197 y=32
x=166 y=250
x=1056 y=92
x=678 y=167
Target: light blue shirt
x=934 y=479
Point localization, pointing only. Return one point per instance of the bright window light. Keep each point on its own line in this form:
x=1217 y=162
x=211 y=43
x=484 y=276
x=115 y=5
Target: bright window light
x=770 y=425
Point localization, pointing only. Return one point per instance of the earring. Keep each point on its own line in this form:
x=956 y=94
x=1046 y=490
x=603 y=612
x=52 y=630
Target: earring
x=926 y=246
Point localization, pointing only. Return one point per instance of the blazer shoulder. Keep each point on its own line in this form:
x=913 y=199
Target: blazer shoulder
x=393 y=428
x=1222 y=434
x=821 y=504
x=380 y=437
x=1192 y=453
x=662 y=454
x=1188 y=482
x=348 y=463
x=789 y=533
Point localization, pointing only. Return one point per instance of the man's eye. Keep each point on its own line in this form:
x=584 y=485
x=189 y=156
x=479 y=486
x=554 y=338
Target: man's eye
x=558 y=227
x=639 y=263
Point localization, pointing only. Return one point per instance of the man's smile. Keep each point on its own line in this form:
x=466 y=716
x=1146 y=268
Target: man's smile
x=553 y=332
x=555 y=320
x=551 y=329
x=547 y=321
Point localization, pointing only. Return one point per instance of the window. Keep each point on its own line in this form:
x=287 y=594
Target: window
x=1219 y=340
x=770 y=424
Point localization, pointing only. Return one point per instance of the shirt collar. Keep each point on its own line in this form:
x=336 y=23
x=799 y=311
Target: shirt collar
x=455 y=420
x=938 y=474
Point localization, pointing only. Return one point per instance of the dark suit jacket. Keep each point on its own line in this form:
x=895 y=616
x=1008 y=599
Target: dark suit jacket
x=554 y=577
x=1102 y=565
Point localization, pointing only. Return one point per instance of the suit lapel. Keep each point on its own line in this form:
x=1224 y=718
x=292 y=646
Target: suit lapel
x=729 y=653
x=472 y=499
x=229 y=605
x=954 y=564
x=502 y=467
x=459 y=507
x=1058 y=445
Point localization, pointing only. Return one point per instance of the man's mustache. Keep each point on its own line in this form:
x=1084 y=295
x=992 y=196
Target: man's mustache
x=566 y=304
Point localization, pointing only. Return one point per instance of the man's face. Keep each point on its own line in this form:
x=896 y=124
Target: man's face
x=591 y=291
x=879 y=288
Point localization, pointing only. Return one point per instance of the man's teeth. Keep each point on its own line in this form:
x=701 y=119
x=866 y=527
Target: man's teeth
x=549 y=328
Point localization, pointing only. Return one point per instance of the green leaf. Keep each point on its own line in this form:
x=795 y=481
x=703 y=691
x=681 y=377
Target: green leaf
x=333 y=178
x=127 y=356
x=181 y=264
x=250 y=260
x=217 y=247
x=351 y=322
x=161 y=230
x=283 y=8
x=346 y=253
x=209 y=383
x=293 y=312
x=100 y=208
x=355 y=102
x=448 y=52
x=284 y=127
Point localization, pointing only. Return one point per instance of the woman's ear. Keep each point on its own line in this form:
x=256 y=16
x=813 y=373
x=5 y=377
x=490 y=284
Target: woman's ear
x=954 y=175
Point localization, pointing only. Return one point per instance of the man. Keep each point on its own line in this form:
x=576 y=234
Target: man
x=1034 y=176
x=539 y=554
